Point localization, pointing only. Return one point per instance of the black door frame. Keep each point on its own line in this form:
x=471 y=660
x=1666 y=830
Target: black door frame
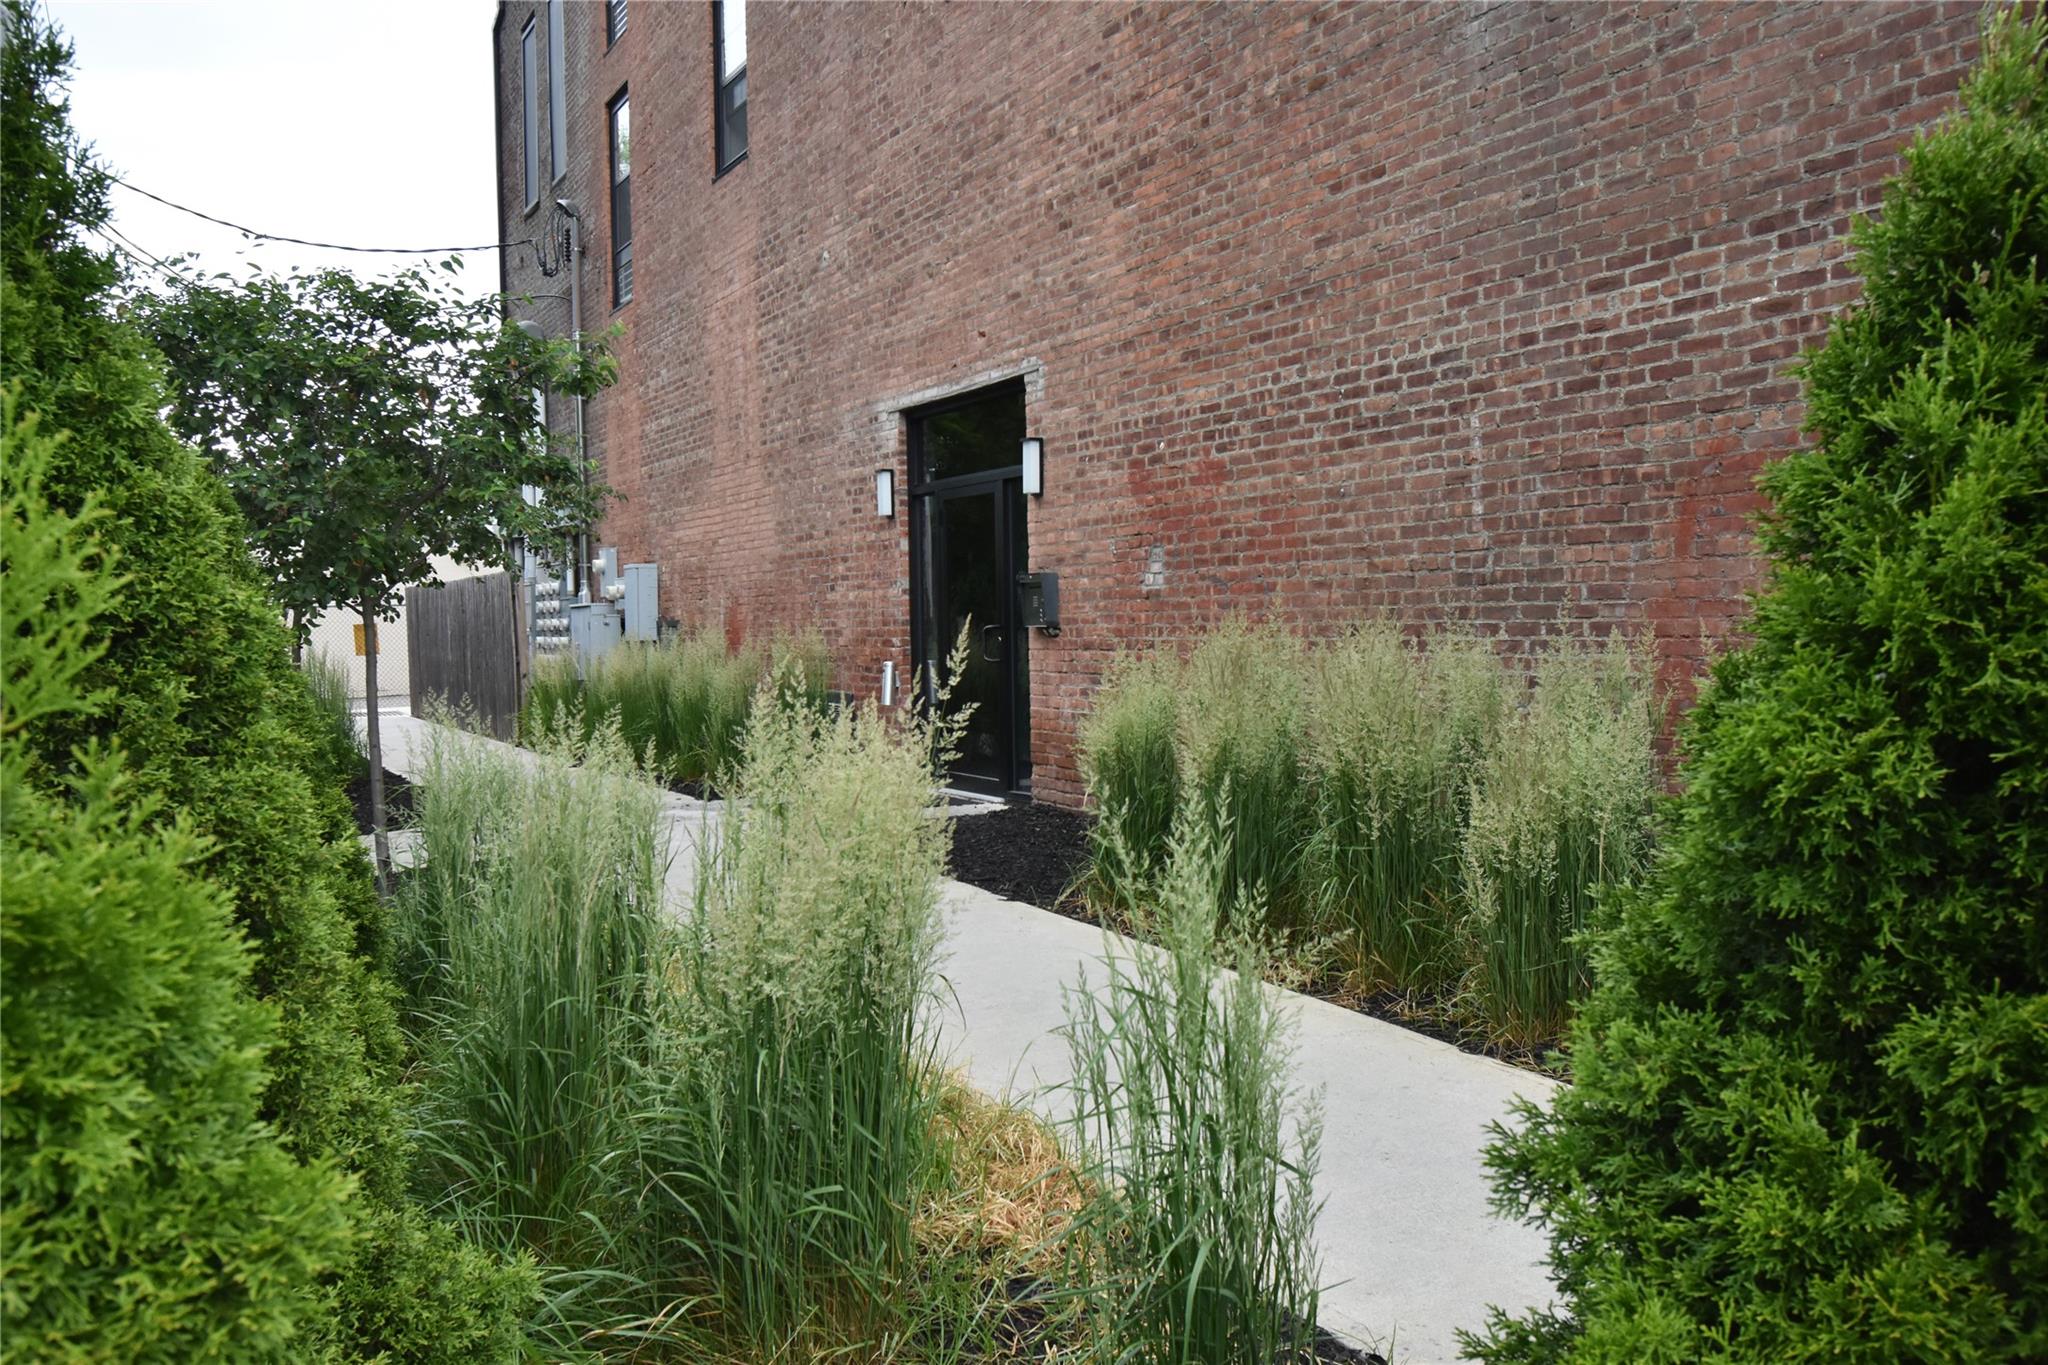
x=1015 y=762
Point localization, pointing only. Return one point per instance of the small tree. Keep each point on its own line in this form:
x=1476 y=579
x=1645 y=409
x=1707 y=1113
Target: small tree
x=366 y=427
x=1810 y=1111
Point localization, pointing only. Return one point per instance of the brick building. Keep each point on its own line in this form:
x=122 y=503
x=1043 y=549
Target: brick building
x=1476 y=311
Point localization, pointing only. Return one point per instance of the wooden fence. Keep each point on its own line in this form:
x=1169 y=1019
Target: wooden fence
x=467 y=640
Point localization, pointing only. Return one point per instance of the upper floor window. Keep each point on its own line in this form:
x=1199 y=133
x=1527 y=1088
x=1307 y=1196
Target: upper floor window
x=622 y=200
x=729 y=22
x=614 y=21
x=529 y=75
x=558 y=86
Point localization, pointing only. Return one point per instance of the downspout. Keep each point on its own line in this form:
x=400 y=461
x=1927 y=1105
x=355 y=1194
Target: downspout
x=576 y=331
x=498 y=150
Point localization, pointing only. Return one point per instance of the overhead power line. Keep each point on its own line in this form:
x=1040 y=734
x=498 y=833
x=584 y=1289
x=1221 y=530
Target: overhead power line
x=301 y=241
x=128 y=247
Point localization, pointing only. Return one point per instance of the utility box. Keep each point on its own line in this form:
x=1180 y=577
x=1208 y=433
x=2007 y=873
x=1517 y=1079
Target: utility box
x=1038 y=601
x=643 y=602
x=595 y=629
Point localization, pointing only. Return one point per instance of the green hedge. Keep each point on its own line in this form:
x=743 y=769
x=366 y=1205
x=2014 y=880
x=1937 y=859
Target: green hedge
x=199 y=694
x=1810 y=1117
x=148 y=1212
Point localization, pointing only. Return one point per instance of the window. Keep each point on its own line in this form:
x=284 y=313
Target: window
x=558 y=85
x=622 y=200
x=529 y=67
x=729 y=21
x=614 y=21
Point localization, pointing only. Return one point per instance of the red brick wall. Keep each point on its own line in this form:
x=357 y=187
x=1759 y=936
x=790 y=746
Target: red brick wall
x=1458 y=311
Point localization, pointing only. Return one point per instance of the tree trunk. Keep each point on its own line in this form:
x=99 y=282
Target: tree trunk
x=379 y=841
x=298 y=640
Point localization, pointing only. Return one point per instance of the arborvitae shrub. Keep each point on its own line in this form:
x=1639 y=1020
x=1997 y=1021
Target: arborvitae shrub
x=1810 y=1111
x=149 y=1213
x=200 y=693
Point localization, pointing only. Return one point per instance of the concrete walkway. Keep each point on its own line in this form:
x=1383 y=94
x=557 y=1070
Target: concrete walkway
x=1410 y=1250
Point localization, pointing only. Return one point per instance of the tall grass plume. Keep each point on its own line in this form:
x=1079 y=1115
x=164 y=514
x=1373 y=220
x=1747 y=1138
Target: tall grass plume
x=1128 y=749
x=1560 y=808
x=528 y=948
x=1242 y=734
x=1196 y=1246
x=1398 y=735
x=789 y=1137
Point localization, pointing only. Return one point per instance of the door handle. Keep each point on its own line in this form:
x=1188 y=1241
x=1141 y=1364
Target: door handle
x=987 y=657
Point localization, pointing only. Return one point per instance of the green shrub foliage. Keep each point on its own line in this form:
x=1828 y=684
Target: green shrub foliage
x=199 y=693
x=148 y=1212
x=1810 y=1118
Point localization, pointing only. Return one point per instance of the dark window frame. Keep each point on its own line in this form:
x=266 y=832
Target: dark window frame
x=918 y=467
x=558 y=94
x=728 y=98
x=529 y=102
x=620 y=196
x=614 y=22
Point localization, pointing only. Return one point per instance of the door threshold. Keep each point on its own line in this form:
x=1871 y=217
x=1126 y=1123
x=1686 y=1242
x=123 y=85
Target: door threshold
x=959 y=801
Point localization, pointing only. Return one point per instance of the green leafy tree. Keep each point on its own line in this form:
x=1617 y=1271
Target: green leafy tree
x=366 y=427
x=1810 y=1111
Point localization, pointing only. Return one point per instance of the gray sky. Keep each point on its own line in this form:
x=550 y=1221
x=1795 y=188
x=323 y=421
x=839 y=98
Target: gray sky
x=366 y=122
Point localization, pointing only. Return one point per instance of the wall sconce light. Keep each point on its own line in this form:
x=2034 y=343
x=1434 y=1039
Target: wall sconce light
x=1034 y=466
x=885 y=492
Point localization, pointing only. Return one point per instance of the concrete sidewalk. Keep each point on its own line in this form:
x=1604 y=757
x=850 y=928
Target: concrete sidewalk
x=1409 y=1247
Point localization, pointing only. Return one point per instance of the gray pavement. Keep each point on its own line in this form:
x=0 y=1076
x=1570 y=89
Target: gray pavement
x=1410 y=1249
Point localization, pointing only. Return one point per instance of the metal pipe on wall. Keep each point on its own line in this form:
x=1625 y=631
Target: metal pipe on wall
x=576 y=331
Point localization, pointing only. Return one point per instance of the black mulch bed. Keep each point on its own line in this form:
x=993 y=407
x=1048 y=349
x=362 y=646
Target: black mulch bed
x=1030 y=853
x=1330 y=1351
x=695 y=787
x=1432 y=1018
x=1024 y=1331
x=397 y=798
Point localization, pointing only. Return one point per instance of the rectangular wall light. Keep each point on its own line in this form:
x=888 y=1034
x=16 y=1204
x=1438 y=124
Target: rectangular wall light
x=885 y=492
x=1034 y=466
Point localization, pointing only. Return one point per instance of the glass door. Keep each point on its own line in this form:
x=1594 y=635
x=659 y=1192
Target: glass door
x=968 y=545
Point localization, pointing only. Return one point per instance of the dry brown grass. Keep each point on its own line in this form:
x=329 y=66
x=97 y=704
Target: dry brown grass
x=1012 y=1193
